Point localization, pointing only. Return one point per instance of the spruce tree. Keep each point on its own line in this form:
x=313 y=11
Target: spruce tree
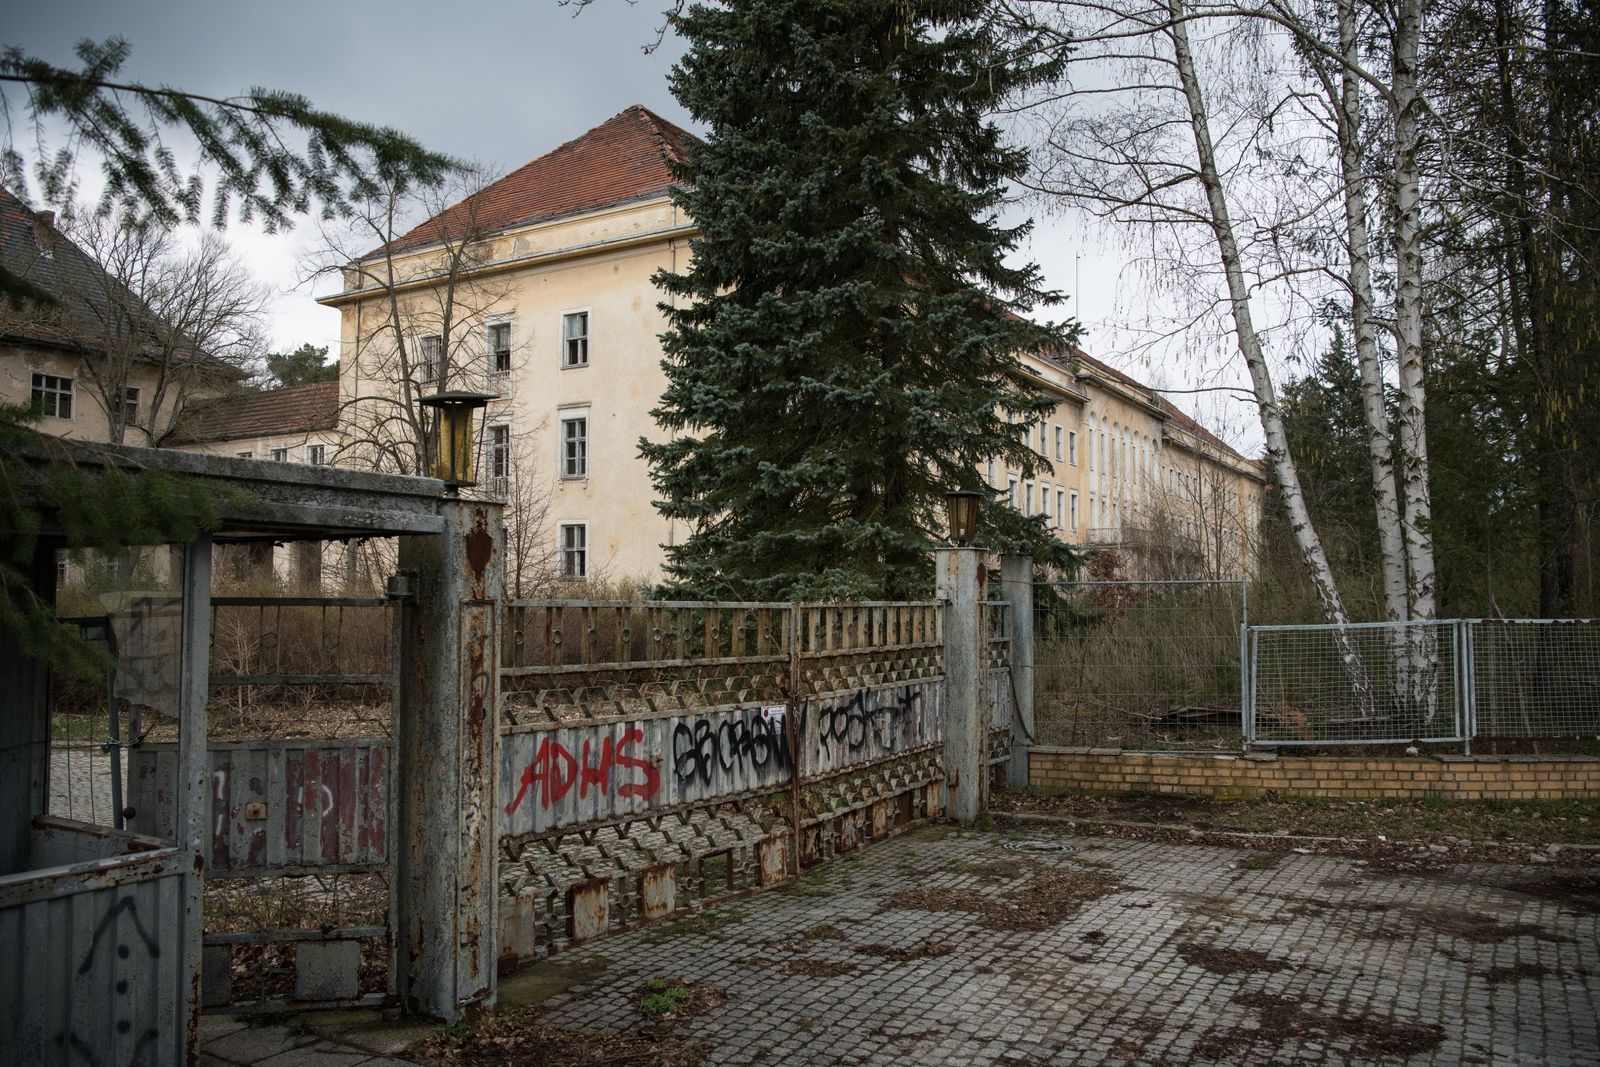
x=843 y=349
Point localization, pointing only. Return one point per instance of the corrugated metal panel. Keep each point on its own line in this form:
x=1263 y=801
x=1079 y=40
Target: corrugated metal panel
x=277 y=806
x=846 y=730
x=94 y=968
x=594 y=772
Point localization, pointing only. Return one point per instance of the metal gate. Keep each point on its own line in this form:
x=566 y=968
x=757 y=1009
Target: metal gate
x=297 y=844
x=655 y=756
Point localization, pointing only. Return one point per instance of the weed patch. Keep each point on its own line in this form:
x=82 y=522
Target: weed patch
x=1281 y=1019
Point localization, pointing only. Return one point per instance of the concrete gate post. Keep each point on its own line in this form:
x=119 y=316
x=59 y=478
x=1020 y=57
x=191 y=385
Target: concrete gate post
x=446 y=740
x=1016 y=589
x=960 y=580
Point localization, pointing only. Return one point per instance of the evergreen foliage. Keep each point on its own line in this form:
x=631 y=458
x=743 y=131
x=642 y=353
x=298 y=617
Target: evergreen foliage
x=842 y=350
x=306 y=364
x=274 y=155
x=247 y=140
x=102 y=507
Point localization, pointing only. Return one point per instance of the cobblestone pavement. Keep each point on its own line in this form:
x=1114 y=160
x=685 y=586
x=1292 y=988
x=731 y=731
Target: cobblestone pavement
x=320 y=1039
x=1180 y=954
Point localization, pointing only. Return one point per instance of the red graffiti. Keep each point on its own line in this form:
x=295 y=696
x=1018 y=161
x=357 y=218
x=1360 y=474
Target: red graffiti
x=555 y=771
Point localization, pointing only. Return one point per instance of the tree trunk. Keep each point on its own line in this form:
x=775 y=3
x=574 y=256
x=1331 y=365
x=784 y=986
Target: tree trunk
x=1278 y=455
x=1421 y=683
x=1380 y=449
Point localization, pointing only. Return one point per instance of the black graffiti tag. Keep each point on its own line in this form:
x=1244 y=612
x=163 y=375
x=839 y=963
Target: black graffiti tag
x=706 y=746
x=853 y=723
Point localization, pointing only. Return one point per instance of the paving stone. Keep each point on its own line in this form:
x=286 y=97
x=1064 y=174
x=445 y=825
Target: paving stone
x=256 y=1043
x=1190 y=962
x=321 y=1054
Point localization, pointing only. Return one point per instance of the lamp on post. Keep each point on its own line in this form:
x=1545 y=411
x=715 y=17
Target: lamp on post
x=963 y=516
x=452 y=445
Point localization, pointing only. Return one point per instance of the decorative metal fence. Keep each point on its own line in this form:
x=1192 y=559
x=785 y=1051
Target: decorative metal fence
x=656 y=755
x=1446 y=681
x=1140 y=665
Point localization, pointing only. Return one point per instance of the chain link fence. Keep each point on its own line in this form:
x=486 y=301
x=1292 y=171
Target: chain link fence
x=1144 y=665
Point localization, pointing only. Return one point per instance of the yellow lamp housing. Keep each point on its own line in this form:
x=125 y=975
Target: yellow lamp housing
x=963 y=516
x=452 y=446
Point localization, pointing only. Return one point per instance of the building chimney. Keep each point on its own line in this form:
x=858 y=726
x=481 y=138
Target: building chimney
x=45 y=234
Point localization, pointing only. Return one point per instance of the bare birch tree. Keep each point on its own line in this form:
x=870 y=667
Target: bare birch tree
x=1303 y=159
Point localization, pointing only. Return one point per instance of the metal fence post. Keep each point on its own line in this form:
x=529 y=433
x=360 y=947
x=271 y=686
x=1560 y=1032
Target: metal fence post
x=960 y=581
x=1016 y=589
x=194 y=777
x=446 y=738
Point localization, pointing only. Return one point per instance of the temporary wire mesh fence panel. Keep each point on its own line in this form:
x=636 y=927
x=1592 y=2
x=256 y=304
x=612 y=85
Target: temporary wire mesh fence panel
x=1363 y=683
x=1535 y=678
x=1139 y=665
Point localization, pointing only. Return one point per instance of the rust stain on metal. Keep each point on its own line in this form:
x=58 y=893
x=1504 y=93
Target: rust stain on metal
x=480 y=550
x=880 y=818
x=772 y=859
x=658 y=892
x=588 y=909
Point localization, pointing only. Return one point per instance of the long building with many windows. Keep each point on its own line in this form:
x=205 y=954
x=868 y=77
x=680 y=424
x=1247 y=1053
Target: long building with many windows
x=538 y=289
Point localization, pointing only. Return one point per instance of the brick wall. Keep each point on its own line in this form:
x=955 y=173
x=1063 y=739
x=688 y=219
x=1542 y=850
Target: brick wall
x=1458 y=777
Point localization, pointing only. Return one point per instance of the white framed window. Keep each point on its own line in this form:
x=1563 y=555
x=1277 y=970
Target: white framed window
x=994 y=474
x=1044 y=430
x=1058 y=442
x=575 y=446
x=279 y=455
x=1072 y=447
x=130 y=406
x=430 y=356
x=500 y=452
x=1061 y=507
x=573 y=544
x=317 y=455
x=1072 y=513
x=1027 y=498
x=52 y=396
x=1011 y=492
x=1044 y=500
x=499 y=345
x=245 y=455
x=575 y=338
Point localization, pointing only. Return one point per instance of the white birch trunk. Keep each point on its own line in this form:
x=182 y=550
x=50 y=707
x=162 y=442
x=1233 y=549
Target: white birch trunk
x=1380 y=450
x=1413 y=475
x=1278 y=454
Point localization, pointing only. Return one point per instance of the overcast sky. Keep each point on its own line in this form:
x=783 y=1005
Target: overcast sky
x=498 y=81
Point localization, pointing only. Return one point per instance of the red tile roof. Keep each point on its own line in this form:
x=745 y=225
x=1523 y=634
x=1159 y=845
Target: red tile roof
x=291 y=410
x=624 y=158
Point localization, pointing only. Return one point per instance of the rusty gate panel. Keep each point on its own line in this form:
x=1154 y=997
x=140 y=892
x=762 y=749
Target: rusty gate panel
x=658 y=756
x=277 y=807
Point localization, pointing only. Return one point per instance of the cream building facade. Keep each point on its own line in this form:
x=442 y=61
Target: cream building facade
x=538 y=290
